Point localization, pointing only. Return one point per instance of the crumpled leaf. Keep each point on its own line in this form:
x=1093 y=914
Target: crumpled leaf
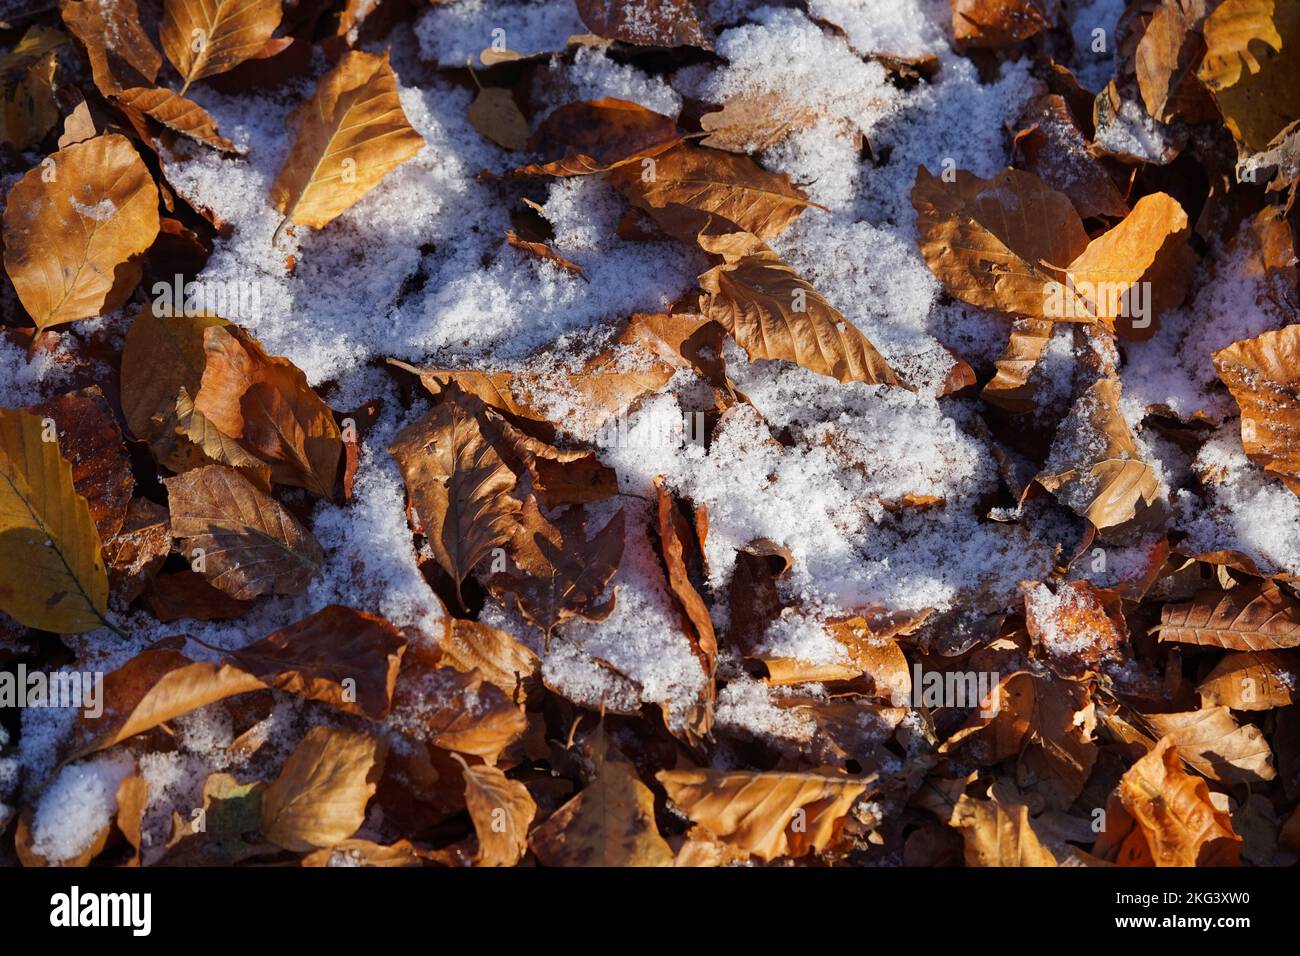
x=52 y=572
x=176 y=113
x=457 y=483
x=69 y=238
x=997 y=23
x=561 y=572
x=1167 y=59
x=1056 y=151
x=1174 y=814
x=1245 y=681
x=498 y=657
x=998 y=834
x=28 y=108
x=1263 y=375
x=204 y=37
x=611 y=822
x=1094 y=467
x=349 y=136
x=320 y=797
x=347 y=658
x=266 y=404
x=453 y=709
x=1259 y=616
x=1252 y=67
x=135 y=554
x=250 y=544
x=769 y=815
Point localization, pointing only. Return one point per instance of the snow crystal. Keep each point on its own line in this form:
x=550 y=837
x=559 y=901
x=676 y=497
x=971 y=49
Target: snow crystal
x=452 y=33
x=77 y=805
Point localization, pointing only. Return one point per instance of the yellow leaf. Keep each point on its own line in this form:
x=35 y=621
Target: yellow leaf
x=350 y=135
x=71 y=226
x=52 y=573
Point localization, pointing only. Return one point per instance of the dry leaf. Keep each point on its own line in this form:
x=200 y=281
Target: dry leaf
x=471 y=645
x=596 y=136
x=1056 y=151
x=1246 y=681
x=244 y=542
x=176 y=113
x=1263 y=375
x=230 y=810
x=73 y=224
x=495 y=114
x=1167 y=58
x=501 y=810
x=349 y=136
x=51 y=571
x=998 y=834
x=767 y=814
x=1174 y=813
x=1250 y=617
x=1215 y=744
x=120 y=51
x=136 y=553
x=162 y=355
x=774 y=314
x=996 y=23
x=668 y=23
x=344 y=657
x=266 y=404
x=454 y=710
x=1252 y=67
x=320 y=797
x=611 y=822
x=204 y=37
x=28 y=108
x=186 y=595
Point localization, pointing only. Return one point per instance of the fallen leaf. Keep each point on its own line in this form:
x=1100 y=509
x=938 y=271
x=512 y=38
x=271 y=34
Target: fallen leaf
x=347 y=658
x=545 y=253
x=498 y=657
x=186 y=595
x=668 y=23
x=246 y=542
x=997 y=23
x=73 y=224
x=52 y=572
x=998 y=834
x=120 y=51
x=1250 y=617
x=1263 y=375
x=1214 y=743
x=595 y=136
x=135 y=554
x=28 y=108
x=320 y=797
x=230 y=810
x=495 y=114
x=176 y=113
x=1056 y=151
x=769 y=815
x=349 y=136
x=1246 y=681
x=1167 y=59
x=1174 y=813
x=204 y=37
x=611 y=822
x=501 y=810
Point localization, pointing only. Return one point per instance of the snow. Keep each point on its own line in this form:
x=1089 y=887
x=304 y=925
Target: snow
x=452 y=33
x=77 y=805
x=906 y=29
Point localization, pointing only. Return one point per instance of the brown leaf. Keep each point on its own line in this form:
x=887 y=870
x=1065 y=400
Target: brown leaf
x=365 y=853
x=1010 y=387
x=52 y=572
x=28 y=107
x=772 y=313
x=544 y=252
x=267 y=405
x=598 y=135
x=498 y=657
x=153 y=687
x=501 y=810
x=136 y=553
x=457 y=484
x=769 y=815
x=320 y=797
x=120 y=51
x=1263 y=375
x=88 y=437
x=734 y=188
x=250 y=545
x=348 y=136
x=205 y=37
x=176 y=113
x=186 y=595
x=1056 y=150
x=668 y=23
x=1252 y=67
x=561 y=572
x=996 y=23
x=1168 y=56
x=1078 y=626
x=73 y=224
x=1216 y=745
x=1246 y=681
x=132 y=801
x=347 y=658
x=999 y=243
x=998 y=834
x=755 y=122
x=1173 y=812
x=230 y=810
x=1251 y=617
x=455 y=710
x=611 y=822
x=1094 y=467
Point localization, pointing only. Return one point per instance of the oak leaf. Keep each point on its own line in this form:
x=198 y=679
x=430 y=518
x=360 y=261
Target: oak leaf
x=72 y=226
